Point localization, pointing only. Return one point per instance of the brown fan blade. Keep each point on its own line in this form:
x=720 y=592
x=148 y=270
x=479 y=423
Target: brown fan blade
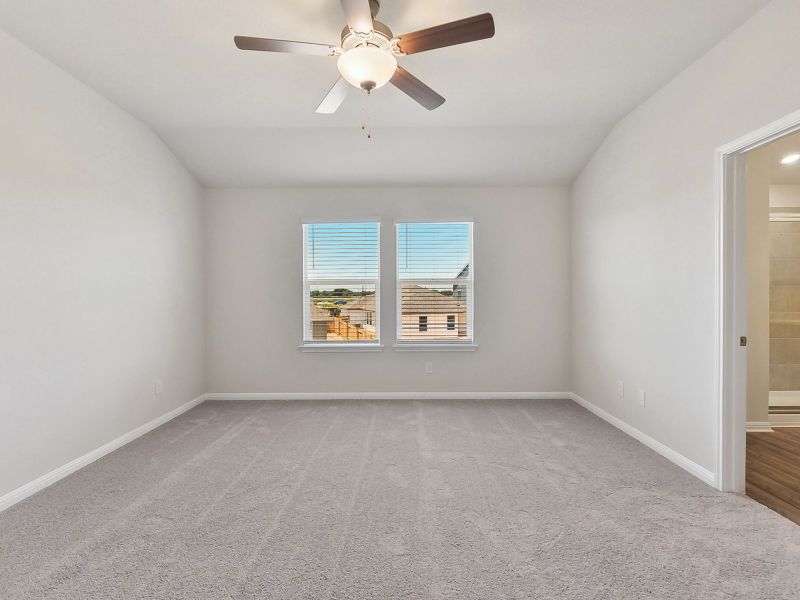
x=406 y=82
x=267 y=45
x=333 y=100
x=359 y=15
x=471 y=29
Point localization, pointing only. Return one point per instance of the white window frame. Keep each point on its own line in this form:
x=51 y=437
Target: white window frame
x=307 y=344
x=466 y=345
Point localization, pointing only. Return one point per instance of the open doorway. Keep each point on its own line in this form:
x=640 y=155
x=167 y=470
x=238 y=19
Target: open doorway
x=743 y=299
x=772 y=190
x=758 y=270
x=772 y=265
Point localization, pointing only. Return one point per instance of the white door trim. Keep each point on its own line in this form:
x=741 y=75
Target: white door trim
x=731 y=298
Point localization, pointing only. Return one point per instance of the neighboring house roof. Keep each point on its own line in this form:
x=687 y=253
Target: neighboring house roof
x=365 y=303
x=422 y=300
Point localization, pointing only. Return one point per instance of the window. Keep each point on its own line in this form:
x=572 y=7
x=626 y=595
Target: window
x=435 y=283
x=341 y=283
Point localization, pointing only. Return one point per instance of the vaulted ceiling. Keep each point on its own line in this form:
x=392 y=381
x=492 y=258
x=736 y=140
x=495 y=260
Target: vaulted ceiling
x=529 y=106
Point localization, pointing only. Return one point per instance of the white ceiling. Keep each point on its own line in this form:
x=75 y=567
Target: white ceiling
x=783 y=174
x=526 y=107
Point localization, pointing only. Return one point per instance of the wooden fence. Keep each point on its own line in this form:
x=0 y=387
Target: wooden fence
x=342 y=327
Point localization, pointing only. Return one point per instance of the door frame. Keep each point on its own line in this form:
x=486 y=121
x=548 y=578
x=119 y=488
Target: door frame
x=731 y=300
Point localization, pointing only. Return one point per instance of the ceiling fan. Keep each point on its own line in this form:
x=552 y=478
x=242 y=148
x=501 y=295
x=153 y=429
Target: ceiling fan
x=369 y=50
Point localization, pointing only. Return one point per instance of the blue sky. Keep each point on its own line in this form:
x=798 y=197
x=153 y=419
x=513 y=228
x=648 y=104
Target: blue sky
x=432 y=250
x=350 y=250
x=342 y=250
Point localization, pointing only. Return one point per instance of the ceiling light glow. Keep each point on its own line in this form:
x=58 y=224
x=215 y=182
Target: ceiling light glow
x=790 y=159
x=367 y=67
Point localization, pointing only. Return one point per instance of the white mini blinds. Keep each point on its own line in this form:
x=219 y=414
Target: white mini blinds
x=341 y=283
x=435 y=277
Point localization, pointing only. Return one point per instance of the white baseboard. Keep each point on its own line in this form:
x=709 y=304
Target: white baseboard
x=391 y=396
x=50 y=478
x=784 y=420
x=692 y=467
x=758 y=427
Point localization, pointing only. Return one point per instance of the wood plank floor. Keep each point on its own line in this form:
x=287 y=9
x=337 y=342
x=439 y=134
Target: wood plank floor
x=773 y=470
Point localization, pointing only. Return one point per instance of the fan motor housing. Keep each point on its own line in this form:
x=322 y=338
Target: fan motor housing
x=380 y=37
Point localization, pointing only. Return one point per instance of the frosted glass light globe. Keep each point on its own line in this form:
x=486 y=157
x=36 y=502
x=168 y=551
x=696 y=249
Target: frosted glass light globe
x=367 y=67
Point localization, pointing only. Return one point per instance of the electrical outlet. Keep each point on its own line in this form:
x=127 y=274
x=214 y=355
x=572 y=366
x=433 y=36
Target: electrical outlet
x=428 y=368
x=620 y=389
x=159 y=387
x=642 y=399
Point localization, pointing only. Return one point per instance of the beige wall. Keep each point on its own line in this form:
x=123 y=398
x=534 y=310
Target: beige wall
x=437 y=326
x=784 y=306
x=784 y=195
x=254 y=254
x=757 y=261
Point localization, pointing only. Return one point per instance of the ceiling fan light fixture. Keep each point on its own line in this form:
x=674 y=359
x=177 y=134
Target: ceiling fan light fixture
x=367 y=67
x=369 y=49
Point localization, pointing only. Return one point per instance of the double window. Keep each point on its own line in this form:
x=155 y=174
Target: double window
x=341 y=284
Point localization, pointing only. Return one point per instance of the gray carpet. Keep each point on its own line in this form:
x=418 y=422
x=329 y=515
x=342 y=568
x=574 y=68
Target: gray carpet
x=386 y=500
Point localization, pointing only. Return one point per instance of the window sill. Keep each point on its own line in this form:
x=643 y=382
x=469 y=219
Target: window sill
x=340 y=347
x=443 y=347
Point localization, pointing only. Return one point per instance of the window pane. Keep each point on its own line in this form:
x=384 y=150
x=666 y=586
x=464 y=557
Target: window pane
x=342 y=313
x=433 y=250
x=341 y=282
x=431 y=312
x=436 y=281
x=341 y=251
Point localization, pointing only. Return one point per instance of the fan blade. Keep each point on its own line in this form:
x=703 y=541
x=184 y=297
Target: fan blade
x=406 y=82
x=333 y=100
x=359 y=15
x=267 y=45
x=471 y=29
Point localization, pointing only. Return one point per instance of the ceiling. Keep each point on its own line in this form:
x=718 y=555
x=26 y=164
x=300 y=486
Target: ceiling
x=783 y=174
x=529 y=106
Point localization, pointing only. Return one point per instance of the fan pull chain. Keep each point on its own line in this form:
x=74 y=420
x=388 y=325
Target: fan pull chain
x=365 y=112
